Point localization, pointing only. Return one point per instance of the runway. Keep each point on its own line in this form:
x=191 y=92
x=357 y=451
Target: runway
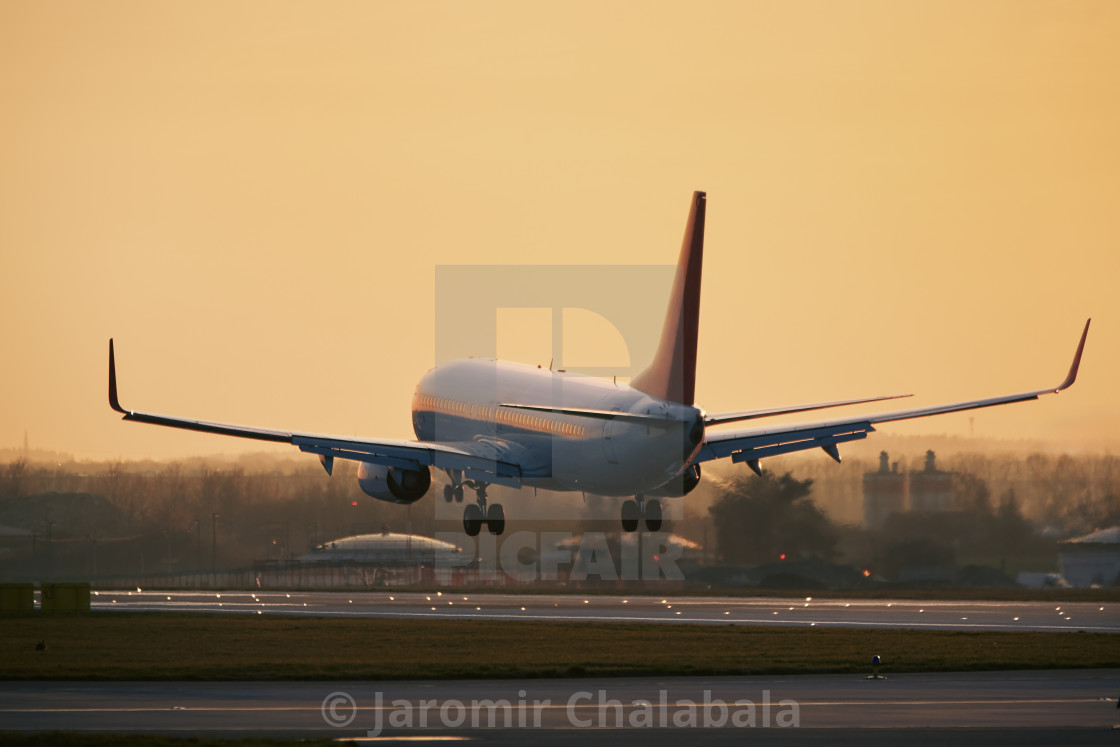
x=790 y=612
x=1058 y=707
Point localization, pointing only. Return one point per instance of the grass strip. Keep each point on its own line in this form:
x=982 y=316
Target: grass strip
x=191 y=646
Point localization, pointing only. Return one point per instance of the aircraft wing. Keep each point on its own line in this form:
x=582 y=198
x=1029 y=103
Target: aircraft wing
x=752 y=444
x=465 y=457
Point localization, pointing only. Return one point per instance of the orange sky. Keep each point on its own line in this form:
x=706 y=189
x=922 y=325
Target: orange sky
x=253 y=198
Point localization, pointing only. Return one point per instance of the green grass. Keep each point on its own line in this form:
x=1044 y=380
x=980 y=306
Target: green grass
x=186 y=646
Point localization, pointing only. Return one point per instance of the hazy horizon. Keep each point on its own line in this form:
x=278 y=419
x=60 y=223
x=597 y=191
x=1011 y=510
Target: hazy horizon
x=899 y=447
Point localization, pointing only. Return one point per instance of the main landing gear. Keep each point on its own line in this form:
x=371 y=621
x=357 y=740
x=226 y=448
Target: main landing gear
x=477 y=514
x=635 y=509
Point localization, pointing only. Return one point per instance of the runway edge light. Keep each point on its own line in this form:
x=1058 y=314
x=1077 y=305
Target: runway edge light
x=875 y=662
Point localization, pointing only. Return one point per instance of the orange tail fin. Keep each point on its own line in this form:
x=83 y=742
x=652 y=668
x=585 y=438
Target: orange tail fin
x=672 y=374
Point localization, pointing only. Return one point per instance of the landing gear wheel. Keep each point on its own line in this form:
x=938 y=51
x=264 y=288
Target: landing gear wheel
x=472 y=520
x=496 y=519
x=631 y=514
x=458 y=494
x=653 y=516
x=448 y=493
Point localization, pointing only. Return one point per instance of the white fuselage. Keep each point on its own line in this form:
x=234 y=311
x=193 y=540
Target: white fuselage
x=460 y=402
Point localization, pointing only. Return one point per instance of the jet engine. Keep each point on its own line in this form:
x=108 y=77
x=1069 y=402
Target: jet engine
x=392 y=484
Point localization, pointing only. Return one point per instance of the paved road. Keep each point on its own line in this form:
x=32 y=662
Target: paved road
x=801 y=611
x=1055 y=707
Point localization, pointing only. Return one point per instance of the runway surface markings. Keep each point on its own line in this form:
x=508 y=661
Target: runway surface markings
x=475 y=615
x=589 y=706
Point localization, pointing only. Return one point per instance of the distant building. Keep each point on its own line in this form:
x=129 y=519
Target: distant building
x=1091 y=560
x=681 y=547
x=884 y=493
x=1036 y=580
x=889 y=491
x=931 y=490
x=388 y=549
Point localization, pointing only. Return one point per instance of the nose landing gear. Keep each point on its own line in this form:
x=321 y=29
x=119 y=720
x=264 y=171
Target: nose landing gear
x=635 y=509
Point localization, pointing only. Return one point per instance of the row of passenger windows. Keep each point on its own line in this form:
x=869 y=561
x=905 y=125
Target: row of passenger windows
x=508 y=416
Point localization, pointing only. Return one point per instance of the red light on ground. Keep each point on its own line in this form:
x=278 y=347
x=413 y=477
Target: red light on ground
x=656 y=558
x=782 y=556
x=353 y=503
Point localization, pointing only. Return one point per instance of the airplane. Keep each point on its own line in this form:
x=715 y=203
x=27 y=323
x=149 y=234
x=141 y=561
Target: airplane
x=484 y=422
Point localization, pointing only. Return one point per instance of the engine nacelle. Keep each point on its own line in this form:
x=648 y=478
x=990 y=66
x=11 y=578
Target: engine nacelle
x=681 y=485
x=392 y=484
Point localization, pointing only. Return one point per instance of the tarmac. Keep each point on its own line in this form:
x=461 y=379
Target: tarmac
x=788 y=612
x=1038 y=707
x=1067 y=707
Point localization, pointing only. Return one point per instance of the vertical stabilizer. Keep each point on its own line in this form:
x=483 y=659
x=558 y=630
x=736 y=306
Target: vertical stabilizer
x=672 y=374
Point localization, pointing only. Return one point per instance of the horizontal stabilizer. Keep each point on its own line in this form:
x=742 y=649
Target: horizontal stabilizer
x=734 y=417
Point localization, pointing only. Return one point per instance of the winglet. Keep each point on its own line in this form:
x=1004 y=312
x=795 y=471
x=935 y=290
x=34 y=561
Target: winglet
x=113 y=401
x=1072 y=376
